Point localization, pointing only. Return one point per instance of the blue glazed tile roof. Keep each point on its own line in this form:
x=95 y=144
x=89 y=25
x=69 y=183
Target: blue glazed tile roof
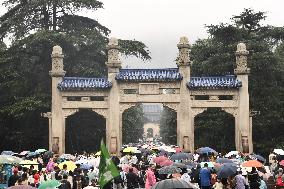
x=81 y=83
x=149 y=75
x=222 y=82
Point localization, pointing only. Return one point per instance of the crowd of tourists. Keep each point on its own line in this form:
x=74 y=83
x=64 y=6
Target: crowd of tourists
x=152 y=165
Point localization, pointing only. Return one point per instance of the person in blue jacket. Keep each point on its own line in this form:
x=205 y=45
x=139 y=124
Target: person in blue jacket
x=205 y=177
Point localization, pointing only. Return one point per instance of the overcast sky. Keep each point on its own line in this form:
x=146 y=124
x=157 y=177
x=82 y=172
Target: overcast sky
x=160 y=23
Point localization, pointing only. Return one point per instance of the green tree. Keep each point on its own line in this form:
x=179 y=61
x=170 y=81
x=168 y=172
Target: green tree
x=132 y=124
x=33 y=28
x=168 y=126
x=215 y=56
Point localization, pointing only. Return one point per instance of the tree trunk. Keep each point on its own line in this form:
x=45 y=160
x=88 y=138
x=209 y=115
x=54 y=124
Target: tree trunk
x=54 y=18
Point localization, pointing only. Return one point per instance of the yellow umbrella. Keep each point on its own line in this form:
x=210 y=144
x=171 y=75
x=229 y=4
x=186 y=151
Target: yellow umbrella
x=98 y=153
x=28 y=163
x=130 y=149
x=70 y=165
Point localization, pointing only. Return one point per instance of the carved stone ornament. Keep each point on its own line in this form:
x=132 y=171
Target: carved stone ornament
x=173 y=106
x=101 y=111
x=113 y=54
x=47 y=114
x=241 y=59
x=183 y=58
x=126 y=106
x=232 y=111
x=196 y=111
x=68 y=112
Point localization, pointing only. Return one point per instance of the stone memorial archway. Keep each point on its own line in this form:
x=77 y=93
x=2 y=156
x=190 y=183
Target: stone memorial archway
x=173 y=87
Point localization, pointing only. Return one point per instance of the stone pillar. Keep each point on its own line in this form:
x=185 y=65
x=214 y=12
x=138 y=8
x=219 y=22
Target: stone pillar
x=57 y=129
x=242 y=71
x=113 y=128
x=185 y=130
x=49 y=115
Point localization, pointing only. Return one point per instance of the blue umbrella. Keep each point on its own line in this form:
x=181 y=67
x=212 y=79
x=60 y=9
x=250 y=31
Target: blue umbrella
x=227 y=169
x=10 y=153
x=224 y=160
x=181 y=156
x=32 y=154
x=206 y=150
x=259 y=158
x=86 y=166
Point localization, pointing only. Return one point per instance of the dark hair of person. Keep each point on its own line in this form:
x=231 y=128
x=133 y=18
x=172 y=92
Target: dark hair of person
x=64 y=166
x=130 y=170
x=65 y=176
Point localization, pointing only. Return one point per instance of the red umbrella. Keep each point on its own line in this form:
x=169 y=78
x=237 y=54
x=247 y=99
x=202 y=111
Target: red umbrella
x=160 y=159
x=281 y=163
x=178 y=150
x=252 y=163
x=166 y=163
x=126 y=168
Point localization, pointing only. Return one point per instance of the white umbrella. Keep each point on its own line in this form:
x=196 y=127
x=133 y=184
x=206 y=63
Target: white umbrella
x=232 y=153
x=279 y=151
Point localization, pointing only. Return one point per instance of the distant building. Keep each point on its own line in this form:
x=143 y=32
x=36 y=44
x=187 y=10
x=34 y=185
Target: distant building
x=152 y=112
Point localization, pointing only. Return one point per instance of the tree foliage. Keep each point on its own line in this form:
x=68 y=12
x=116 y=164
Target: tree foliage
x=168 y=126
x=132 y=124
x=215 y=56
x=33 y=28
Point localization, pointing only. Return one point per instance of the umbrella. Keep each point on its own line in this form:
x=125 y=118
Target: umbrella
x=126 y=168
x=70 y=165
x=130 y=149
x=7 y=153
x=166 y=163
x=67 y=156
x=28 y=163
x=32 y=154
x=224 y=160
x=180 y=165
x=210 y=164
x=190 y=164
x=98 y=153
x=281 y=163
x=278 y=151
x=49 y=184
x=24 y=153
x=252 y=163
x=178 y=150
x=160 y=159
x=232 y=153
x=169 y=170
x=82 y=161
x=226 y=170
x=163 y=153
x=259 y=158
x=40 y=150
x=48 y=154
x=95 y=162
x=181 y=156
x=86 y=166
x=173 y=183
x=8 y=159
x=21 y=187
x=206 y=150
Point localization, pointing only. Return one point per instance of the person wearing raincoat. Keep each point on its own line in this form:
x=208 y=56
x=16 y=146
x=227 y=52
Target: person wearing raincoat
x=150 y=178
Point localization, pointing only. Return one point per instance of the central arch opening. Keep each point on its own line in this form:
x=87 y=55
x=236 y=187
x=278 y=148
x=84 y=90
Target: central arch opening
x=84 y=131
x=149 y=122
x=215 y=128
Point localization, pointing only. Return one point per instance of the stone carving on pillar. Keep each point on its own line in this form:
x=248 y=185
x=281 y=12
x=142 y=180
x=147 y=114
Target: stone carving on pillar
x=245 y=144
x=68 y=112
x=113 y=145
x=126 y=106
x=114 y=61
x=186 y=144
x=55 y=145
x=173 y=106
x=57 y=62
x=183 y=58
x=232 y=111
x=47 y=114
x=196 y=111
x=241 y=59
x=102 y=112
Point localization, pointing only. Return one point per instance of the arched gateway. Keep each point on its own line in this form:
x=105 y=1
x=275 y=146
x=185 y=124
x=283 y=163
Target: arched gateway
x=174 y=88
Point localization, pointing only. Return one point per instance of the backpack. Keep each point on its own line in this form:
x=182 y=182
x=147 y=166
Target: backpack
x=117 y=180
x=141 y=178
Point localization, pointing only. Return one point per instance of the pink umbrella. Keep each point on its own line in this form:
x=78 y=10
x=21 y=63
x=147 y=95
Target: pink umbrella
x=126 y=168
x=160 y=159
x=166 y=163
